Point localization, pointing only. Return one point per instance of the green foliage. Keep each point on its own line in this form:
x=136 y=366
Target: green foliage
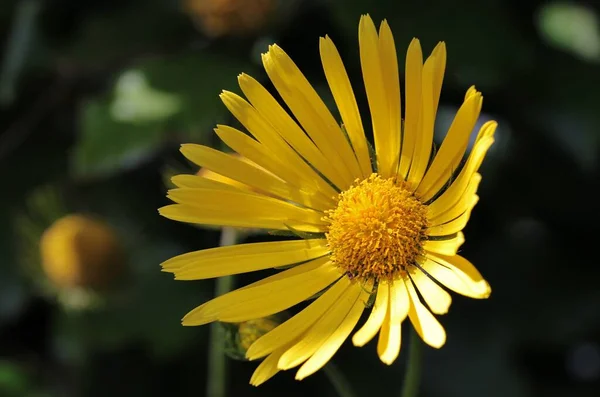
x=106 y=146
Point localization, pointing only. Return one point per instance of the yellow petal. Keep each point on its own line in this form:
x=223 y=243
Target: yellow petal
x=456 y=190
x=445 y=247
x=239 y=170
x=243 y=258
x=461 y=205
x=453 y=280
x=455 y=225
x=256 y=300
x=267 y=368
x=453 y=148
x=287 y=128
x=426 y=325
x=294 y=168
x=414 y=66
x=320 y=331
x=340 y=86
x=375 y=320
x=189 y=214
x=311 y=190
x=336 y=339
x=376 y=76
x=388 y=346
x=391 y=84
x=439 y=52
x=311 y=112
x=224 y=202
x=435 y=296
x=466 y=272
x=424 y=141
x=297 y=325
x=193 y=181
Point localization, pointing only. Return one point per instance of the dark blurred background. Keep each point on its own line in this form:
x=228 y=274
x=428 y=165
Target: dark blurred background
x=95 y=98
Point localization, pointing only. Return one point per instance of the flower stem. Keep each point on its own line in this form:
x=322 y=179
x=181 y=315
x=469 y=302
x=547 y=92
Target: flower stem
x=413 y=369
x=338 y=380
x=217 y=361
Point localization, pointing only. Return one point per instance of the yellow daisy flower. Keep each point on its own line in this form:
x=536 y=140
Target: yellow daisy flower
x=385 y=226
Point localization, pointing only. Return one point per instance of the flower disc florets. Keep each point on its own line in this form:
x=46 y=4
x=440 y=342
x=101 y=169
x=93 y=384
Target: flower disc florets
x=377 y=230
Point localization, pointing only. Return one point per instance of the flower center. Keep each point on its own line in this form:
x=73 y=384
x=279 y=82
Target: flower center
x=377 y=229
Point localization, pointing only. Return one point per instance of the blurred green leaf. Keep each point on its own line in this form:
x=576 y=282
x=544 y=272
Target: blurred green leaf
x=197 y=78
x=13 y=380
x=571 y=27
x=106 y=145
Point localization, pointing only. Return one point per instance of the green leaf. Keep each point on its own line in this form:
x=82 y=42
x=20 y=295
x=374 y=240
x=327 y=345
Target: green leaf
x=197 y=79
x=106 y=145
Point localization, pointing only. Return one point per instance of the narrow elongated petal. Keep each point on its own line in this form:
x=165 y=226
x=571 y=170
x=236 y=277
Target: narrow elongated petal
x=343 y=94
x=243 y=258
x=293 y=166
x=454 y=281
x=297 y=325
x=256 y=300
x=311 y=112
x=287 y=128
x=411 y=131
x=321 y=331
x=319 y=196
x=485 y=139
x=336 y=339
x=267 y=368
x=446 y=246
x=435 y=296
x=453 y=148
x=455 y=225
x=388 y=346
x=380 y=74
x=375 y=320
x=466 y=272
x=426 y=325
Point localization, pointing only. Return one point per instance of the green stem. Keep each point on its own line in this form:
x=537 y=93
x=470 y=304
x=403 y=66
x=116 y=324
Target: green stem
x=217 y=361
x=338 y=380
x=413 y=366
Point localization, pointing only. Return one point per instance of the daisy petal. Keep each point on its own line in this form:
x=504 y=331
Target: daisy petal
x=445 y=247
x=335 y=340
x=241 y=171
x=267 y=368
x=297 y=325
x=321 y=331
x=388 y=346
x=243 y=258
x=485 y=139
x=455 y=225
x=426 y=325
x=287 y=128
x=435 y=296
x=414 y=67
x=294 y=168
x=459 y=206
x=453 y=148
x=311 y=112
x=256 y=300
x=424 y=141
x=375 y=320
x=466 y=272
x=340 y=86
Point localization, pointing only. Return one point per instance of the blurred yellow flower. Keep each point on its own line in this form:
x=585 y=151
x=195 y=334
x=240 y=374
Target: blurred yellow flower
x=230 y=17
x=79 y=251
x=384 y=224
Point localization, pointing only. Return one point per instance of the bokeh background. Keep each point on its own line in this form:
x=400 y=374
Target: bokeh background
x=97 y=96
